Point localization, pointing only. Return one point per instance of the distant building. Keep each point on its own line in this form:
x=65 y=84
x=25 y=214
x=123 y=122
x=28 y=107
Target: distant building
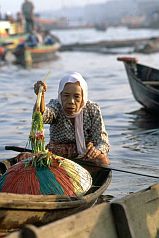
x=141 y=13
x=133 y=21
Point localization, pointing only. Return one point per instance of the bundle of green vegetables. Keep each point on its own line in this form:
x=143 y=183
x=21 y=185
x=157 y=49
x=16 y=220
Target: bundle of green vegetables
x=41 y=156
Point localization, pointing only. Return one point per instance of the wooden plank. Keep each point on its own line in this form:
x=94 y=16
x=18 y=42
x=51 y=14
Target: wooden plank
x=93 y=222
x=34 y=198
x=133 y=216
x=137 y=215
x=40 y=205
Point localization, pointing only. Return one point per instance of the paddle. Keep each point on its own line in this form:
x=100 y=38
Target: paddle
x=17 y=148
x=84 y=162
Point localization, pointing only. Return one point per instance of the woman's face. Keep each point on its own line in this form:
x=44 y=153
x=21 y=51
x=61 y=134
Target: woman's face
x=72 y=98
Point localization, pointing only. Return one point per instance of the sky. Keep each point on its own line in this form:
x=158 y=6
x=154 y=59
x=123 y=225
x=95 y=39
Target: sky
x=14 y=6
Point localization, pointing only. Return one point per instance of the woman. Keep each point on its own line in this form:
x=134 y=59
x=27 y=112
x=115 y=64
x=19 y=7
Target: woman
x=76 y=124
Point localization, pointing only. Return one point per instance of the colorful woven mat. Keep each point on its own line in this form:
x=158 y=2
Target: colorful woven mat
x=38 y=176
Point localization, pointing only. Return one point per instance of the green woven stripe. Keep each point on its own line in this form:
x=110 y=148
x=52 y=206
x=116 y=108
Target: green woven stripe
x=48 y=182
x=2 y=181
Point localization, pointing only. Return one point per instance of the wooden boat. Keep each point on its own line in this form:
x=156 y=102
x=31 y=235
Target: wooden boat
x=26 y=56
x=10 y=42
x=10 y=28
x=95 y=222
x=130 y=44
x=152 y=46
x=144 y=83
x=133 y=216
x=100 y=27
x=136 y=215
x=16 y=210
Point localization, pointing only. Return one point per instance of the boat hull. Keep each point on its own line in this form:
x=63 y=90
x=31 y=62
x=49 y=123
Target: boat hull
x=16 y=210
x=28 y=56
x=133 y=216
x=144 y=83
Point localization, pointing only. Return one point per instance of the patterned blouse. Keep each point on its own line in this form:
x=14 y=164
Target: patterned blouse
x=62 y=130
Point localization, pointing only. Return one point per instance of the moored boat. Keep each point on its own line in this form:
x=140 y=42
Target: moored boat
x=144 y=83
x=152 y=46
x=16 y=210
x=11 y=42
x=27 y=56
x=133 y=216
x=100 y=27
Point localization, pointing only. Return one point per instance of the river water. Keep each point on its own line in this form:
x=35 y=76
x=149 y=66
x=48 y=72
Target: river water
x=133 y=134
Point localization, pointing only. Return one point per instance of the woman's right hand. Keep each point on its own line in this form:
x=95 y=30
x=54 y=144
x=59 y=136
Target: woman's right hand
x=37 y=86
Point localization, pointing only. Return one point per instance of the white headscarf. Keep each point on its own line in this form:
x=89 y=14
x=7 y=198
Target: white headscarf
x=79 y=133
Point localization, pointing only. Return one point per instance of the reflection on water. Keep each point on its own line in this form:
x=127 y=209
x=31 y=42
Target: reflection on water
x=145 y=120
x=143 y=132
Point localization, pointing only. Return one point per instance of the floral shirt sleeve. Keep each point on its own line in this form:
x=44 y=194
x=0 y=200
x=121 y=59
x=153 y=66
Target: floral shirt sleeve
x=97 y=132
x=51 y=111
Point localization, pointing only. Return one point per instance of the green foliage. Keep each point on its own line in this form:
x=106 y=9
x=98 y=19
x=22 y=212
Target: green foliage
x=36 y=137
x=42 y=159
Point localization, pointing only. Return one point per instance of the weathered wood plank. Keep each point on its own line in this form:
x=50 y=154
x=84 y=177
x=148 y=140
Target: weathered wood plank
x=137 y=215
x=94 y=222
x=133 y=216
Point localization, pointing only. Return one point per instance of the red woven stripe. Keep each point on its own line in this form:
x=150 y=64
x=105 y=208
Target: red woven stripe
x=21 y=180
x=63 y=178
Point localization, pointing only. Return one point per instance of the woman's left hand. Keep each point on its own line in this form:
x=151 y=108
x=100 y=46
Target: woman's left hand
x=94 y=154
